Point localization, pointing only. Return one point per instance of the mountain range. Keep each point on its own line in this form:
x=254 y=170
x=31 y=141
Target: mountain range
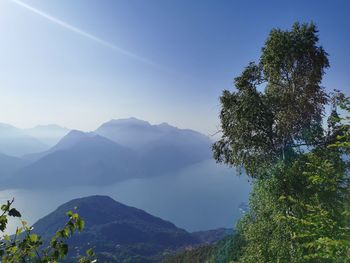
x=120 y=233
x=117 y=150
x=48 y=134
x=18 y=142
x=160 y=168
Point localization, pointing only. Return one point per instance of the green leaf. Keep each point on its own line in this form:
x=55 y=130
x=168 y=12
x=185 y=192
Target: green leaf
x=33 y=238
x=90 y=252
x=13 y=212
x=81 y=224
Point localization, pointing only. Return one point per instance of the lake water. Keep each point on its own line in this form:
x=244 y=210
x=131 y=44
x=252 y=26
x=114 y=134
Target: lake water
x=203 y=196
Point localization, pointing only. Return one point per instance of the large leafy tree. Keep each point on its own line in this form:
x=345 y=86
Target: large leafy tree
x=278 y=103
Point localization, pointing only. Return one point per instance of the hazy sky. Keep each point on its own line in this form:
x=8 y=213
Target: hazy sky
x=80 y=63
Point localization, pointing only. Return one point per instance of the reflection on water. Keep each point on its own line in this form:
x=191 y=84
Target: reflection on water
x=201 y=197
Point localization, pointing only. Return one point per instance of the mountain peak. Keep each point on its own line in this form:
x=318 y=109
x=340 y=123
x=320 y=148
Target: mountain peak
x=5 y=125
x=110 y=224
x=92 y=200
x=130 y=121
x=76 y=133
x=164 y=124
x=73 y=137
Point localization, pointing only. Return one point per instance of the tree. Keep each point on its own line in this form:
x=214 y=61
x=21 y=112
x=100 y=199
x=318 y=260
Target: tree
x=259 y=127
x=299 y=213
x=272 y=127
x=26 y=246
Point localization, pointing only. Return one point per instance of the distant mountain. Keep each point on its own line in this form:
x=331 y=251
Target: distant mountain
x=9 y=164
x=132 y=132
x=136 y=134
x=16 y=142
x=71 y=139
x=47 y=134
x=118 y=233
x=175 y=150
x=118 y=150
x=163 y=148
x=78 y=159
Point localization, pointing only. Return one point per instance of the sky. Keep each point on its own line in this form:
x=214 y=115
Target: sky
x=81 y=63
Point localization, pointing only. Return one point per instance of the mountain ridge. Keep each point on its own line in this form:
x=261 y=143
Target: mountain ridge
x=93 y=158
x=117 y=232
x=91 y=161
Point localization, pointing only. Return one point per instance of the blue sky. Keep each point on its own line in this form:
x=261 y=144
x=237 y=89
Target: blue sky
x=80 y=63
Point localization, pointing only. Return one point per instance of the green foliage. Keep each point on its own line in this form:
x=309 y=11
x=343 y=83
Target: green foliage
x=258 y=127
x=298 y=213
x=197 y=255
x=26 y=246
x=227 y=250
x=299 y=206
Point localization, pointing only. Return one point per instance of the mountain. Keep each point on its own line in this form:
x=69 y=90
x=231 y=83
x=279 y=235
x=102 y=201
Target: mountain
x=79 y=159
x=132 y=132
x=10 y=164
x=71 y=139
x=16 y=142
x=47 y=134
x=162 y=148
x=175 y=150
x=118 y=233
x=136 y=134
x=118 y=150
